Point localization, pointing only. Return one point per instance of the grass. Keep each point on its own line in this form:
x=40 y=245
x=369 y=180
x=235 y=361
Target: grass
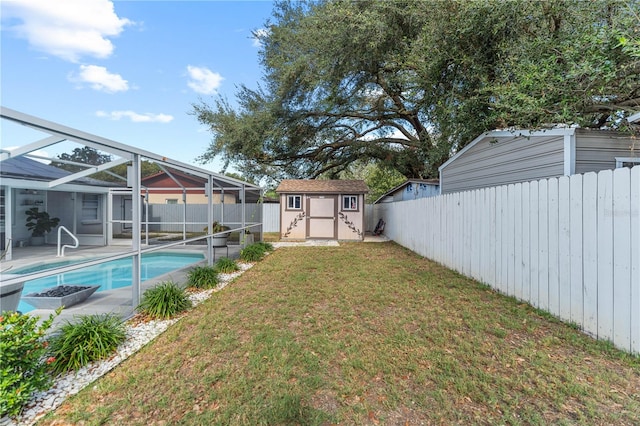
x=363 y=334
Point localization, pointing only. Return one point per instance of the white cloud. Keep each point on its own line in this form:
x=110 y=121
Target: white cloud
x=68 y=29
x=257 y=36
x=135 y=117
x=203 y=80
x=98 y=78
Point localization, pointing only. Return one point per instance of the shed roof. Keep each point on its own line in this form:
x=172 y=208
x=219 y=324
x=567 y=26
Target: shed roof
x=323 y=186
x=433 y=182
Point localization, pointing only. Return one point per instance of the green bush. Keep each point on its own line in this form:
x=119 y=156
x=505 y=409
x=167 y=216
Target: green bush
x=88 y=338
x=164 y=301
x=266 y=246
x=202 y=277
x=23 y=367
x=252 y=253
x=226 y=265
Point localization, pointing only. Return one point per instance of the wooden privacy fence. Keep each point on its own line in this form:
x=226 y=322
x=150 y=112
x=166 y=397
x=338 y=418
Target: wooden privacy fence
x=568 y=245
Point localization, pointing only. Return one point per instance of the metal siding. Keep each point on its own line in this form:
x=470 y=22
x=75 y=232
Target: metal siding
x=509 y=160
x=598 y=151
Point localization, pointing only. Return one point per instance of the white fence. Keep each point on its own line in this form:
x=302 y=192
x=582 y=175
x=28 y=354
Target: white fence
x=568 y=245
x=173 y=217
x=271 y=217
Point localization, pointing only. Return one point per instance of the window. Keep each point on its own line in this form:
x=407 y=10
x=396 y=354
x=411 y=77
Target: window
x=90 y=208
x=294 y=202
x=171 y=201
x=627 y=162
x=349 y=202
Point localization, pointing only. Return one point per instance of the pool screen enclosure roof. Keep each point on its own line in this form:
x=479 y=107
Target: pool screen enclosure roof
x=120 y=154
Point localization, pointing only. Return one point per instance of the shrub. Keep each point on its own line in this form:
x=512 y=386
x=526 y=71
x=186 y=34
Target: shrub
x=164 y=301
x=23 y=367
x=265 y=245
x=226 y=265
x=202 y=277
x=252 y=253
x=89 y=338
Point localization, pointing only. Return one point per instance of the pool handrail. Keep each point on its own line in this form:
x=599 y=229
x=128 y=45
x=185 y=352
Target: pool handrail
x=75 y=239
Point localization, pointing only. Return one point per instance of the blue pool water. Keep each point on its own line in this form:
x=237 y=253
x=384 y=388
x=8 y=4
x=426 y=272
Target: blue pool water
x=110 y=275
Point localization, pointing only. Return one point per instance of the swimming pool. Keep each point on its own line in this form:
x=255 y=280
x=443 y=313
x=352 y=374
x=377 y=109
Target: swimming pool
x=109 y=275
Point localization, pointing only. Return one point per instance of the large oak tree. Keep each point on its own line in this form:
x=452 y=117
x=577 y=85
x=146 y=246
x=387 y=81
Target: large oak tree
x=407 y=83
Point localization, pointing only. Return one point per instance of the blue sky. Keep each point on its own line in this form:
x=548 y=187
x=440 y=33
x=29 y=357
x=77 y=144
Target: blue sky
x=126 y=70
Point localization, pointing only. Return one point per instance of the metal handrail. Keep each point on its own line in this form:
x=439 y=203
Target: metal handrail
x=61 y=252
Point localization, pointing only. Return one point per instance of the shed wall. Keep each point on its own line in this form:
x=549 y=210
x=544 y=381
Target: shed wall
x=505 y=161
x=597 y=151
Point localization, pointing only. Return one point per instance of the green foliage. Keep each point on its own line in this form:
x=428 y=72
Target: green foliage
x=88 y=338
x=379 y=177
x=216 y=227
x=23 y=368
x=164 y=301
x=39 y=223
x=88 y=155
x=226 y=265
x=202 y=277
x=267 y=247
x=253 y=252
x=406 y=85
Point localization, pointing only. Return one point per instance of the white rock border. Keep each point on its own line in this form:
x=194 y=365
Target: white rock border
x=138 y=335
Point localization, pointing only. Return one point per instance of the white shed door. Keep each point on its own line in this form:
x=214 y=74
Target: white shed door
x=321 y=220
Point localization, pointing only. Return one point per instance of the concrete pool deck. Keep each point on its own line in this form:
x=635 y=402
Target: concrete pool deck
x=117 y=301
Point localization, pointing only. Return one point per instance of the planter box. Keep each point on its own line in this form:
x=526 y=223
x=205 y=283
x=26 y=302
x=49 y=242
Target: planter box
x=10 y=294
x=42 y=301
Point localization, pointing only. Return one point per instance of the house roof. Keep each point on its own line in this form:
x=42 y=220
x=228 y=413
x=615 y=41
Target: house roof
x=28 y=169
x=322 y=186
x=435 y=182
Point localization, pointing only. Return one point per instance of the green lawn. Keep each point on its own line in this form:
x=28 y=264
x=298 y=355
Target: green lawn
x=364 y=333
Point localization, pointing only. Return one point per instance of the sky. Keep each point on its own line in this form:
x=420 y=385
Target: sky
x=129 y=71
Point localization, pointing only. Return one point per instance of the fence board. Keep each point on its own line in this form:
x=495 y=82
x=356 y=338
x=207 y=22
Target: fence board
x=576 y=262
x=553 y=217
x=605 y=254
x=543 y=245
x=635 y=259
x=510 y=241
x=517 y=241
x=492 y=266
x=590 y=253
x=621 y=258
x=526 y=238
x=564 y=248
x=534 y=234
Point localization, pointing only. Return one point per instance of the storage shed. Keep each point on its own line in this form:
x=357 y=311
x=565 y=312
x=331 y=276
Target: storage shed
x=322 y=209
x=503 y=157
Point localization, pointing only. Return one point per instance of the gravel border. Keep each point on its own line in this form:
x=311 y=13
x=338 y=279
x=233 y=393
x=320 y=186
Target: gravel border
x=138 y=335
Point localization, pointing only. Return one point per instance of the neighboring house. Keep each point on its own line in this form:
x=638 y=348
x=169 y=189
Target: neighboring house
x=410 y=190
x=322 y=209
x=503 y=157
x=176 y=187
x=80 y=204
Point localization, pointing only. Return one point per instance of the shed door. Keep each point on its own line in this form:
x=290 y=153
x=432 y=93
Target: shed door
x=321 y=219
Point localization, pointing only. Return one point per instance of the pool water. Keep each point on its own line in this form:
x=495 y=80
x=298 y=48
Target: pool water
x=110 y=275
